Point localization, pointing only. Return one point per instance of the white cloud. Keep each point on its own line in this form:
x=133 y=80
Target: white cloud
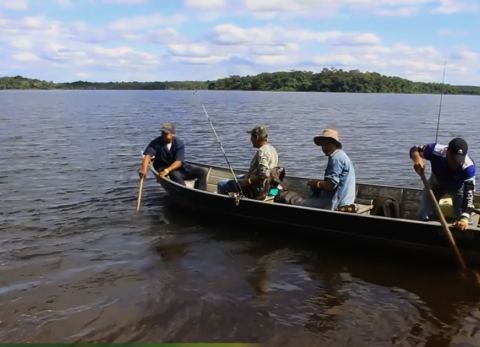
x=124 y=2
x=229 y=34
x=269 y=9
x=14 y=5
x=189 y=50
x=455 y=6
x=398 y=11
x=25 y=57
x=22 y=43
x=154 y=20
x=205 y=4
x=213 y=59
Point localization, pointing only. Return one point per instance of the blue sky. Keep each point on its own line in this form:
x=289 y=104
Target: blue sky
x=147 y=40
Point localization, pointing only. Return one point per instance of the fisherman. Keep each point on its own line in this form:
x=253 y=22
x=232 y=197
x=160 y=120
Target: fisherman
x=168 y=152
x=336 y=191
x=255 y=183
x=453 y=173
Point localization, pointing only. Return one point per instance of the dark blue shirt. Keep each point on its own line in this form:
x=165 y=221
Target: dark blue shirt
x=164 y=157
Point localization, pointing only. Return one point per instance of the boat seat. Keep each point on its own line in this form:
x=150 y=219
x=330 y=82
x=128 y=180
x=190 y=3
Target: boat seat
x=364 y=206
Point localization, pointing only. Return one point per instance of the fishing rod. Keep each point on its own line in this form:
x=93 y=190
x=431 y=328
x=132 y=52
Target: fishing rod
x=440 y=103
x=221 y=147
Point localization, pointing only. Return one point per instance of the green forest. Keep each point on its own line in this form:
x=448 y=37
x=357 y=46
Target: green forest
x=328 y=80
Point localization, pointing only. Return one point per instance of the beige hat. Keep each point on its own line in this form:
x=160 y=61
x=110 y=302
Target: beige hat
x=328 y=135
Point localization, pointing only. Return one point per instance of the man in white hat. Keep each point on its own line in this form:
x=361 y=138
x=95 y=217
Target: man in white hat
x=337 y=188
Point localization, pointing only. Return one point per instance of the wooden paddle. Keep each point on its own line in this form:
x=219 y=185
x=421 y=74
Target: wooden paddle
x=140 y=190
x=448 y=234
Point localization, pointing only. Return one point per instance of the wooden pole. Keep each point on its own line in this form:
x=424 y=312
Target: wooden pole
x=448 y=234
x=140 y=190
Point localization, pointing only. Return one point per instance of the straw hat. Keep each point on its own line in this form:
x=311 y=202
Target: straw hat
x=328 y=135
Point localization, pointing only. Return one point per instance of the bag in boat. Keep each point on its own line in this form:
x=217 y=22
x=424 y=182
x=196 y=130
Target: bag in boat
x=386 y=207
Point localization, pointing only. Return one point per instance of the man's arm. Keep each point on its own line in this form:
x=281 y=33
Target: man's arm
x=321 y=184
x=468 y=190
x=331 y=178
x=416 y=154
x=142 y=171
x=173 y=166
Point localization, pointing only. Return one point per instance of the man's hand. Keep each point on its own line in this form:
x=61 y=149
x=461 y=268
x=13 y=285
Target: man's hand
x=142 y=173
x=164 y=173
x=313 y=184
x=419 y=166
x=461 y=224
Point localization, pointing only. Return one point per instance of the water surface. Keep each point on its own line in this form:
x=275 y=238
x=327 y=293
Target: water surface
x=77 y=264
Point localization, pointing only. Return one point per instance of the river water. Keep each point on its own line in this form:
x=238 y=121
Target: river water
x=77 y=264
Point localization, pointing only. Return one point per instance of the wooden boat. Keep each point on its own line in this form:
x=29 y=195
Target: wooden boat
x=403 y=233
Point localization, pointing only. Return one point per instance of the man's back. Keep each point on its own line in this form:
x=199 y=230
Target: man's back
x=265 y=159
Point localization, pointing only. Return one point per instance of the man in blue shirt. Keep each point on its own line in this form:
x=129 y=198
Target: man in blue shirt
x=453 y=173
x=337 y=189
x=169 y=155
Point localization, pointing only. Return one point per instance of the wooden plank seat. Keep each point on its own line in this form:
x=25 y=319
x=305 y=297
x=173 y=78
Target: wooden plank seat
x=364 y=206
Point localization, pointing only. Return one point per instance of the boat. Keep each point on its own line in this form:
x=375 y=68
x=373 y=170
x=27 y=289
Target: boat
x=363 y=227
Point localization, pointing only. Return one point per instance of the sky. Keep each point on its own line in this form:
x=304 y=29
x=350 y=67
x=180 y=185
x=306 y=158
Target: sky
x=175 y=40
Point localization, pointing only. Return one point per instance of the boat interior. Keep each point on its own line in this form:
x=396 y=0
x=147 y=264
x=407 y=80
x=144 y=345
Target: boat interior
x=407 y=198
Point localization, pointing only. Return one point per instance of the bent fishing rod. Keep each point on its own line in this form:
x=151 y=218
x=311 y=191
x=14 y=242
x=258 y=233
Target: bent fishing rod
x=223 y=150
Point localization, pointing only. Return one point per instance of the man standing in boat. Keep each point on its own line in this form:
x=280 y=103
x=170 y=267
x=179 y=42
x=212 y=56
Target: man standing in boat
x=168 y=152
x=453 y=173
x=256 y=183
x=336 y=191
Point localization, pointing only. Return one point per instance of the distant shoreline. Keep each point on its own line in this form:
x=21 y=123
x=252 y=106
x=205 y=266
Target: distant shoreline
x=328 y=80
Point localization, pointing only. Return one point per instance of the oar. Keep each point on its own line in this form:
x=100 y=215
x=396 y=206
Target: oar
x=140 y=190
x=448 y=234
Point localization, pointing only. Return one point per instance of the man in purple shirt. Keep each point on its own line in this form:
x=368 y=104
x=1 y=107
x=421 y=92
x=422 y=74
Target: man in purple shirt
x=453 y=173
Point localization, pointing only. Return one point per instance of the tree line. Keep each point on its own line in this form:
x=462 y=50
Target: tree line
x=327 y=80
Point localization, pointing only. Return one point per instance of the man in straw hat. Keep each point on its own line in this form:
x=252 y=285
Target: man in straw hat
x=453 y=173
x=337 y=188
x=256 y=182
x=169 y=154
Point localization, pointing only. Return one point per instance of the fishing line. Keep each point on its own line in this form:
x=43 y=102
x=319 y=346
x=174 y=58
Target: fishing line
x=220 y=143
x=440 y=103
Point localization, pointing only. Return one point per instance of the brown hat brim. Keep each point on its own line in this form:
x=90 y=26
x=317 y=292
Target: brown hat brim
x=319 y=140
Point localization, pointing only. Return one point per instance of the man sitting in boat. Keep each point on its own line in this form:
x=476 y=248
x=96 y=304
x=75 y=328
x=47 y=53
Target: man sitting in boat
x=169 y=153
x=453 y=173
x=336 y=191
x=255 y=184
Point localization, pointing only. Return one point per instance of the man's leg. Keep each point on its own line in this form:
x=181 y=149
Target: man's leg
x=177 y=176
x=227 y=186
x=425 y=210
x=198 y=173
